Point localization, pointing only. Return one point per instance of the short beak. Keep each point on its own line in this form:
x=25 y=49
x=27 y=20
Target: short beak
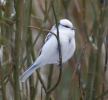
x=73 y=28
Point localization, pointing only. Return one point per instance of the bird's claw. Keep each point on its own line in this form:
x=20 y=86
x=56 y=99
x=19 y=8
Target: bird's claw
x=60 y=65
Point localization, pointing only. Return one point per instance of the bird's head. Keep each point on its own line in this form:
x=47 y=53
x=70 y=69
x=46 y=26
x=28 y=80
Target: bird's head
x=66 y=23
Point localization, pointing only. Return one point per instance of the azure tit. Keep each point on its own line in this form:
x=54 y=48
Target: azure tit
x=49 y=53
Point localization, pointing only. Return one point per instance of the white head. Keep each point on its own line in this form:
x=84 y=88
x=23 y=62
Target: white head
x=66 y=23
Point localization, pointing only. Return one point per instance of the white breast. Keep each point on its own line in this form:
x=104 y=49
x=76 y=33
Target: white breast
x=67 y=47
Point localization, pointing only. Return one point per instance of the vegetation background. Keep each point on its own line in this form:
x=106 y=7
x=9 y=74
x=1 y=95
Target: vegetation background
x=20 y=44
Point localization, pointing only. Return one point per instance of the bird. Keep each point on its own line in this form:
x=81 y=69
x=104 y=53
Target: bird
x=49 y=52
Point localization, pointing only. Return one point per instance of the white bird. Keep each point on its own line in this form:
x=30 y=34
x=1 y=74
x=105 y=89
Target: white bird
x=49 y=53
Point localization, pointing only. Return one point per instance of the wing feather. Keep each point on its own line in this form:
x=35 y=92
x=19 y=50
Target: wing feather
x=46 y=39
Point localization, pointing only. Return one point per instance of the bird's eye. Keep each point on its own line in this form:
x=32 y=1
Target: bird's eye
x=66 y=26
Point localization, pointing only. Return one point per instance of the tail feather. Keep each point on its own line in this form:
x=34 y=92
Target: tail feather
x=28 y=72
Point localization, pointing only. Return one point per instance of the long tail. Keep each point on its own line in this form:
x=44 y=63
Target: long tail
x=28 y=72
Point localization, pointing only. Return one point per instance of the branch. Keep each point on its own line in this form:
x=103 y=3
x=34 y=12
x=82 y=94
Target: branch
x=2 y=83
x=10 y=71
x=49 y=81
x=58 y=81
x=60 y=55
x=34 y=27
x=105 y=66
x=74 y=73
x=33 y=57
x=24 y=95
x=17 y=47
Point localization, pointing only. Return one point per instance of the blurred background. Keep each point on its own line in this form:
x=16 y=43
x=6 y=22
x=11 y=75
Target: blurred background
x=20 y=44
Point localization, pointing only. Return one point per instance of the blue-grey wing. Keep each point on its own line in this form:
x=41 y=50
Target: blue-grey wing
x=46 y=39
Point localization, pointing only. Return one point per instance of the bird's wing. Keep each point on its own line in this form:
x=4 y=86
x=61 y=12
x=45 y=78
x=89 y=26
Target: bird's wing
x=47 y=38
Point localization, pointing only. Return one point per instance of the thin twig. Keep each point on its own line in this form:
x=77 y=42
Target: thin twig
x=79 y=78
x=17 y=47
x=37 y=71
x=44 y=10
x=2 y=6
x=35 y=89
x=9 y=21
x=2 y=22
x=103 y=94
x=3 y=87
x=74 y=73
x=58 y=81
x=5 y=82
x=105 y=66
x=41 y=92
x=49 y=81
x=34 y=27
x=24 y=95
x=10 y=71
x=60 y=55
x=33 y=57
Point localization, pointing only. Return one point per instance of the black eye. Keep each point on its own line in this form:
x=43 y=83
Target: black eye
x=66 y=26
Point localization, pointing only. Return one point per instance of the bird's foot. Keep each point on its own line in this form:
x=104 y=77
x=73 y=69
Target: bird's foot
x=59 y=47
x=60 y=65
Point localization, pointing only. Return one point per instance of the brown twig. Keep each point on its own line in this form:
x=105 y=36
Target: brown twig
x=105 y=66
x=44 y=10
x=34 y=27
x=24 y=95
x=79 y=78
x=60 y=54
x=10 y=71
x=74 y=73
x=41 y=92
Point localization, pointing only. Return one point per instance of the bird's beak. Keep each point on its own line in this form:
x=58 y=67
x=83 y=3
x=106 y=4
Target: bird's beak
x=73 y=28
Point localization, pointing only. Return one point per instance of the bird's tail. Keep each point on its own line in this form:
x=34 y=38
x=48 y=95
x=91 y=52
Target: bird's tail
x=28 y=72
